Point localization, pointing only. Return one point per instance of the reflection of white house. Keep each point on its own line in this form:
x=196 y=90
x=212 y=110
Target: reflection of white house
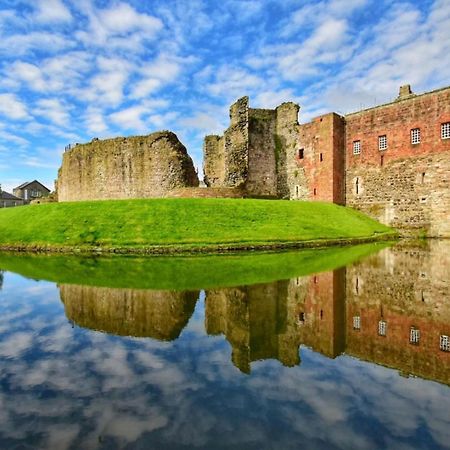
x=7 y=200
x=31 y=190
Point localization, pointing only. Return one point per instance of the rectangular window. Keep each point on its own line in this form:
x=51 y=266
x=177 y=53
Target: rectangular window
x=321 y=157
x=301 y=153
x=356 y=147
x=414 y=336
x=382 y=142
x=445 y=130
x=382 y=328
x=357 y=323
x=445 y=343
x=415 y=136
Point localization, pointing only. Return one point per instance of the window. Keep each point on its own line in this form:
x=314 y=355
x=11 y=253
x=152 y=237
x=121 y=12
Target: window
x=301 y=153
x=297 y=188
x=414 y=336
x=321 y=157
x=382 y=328
x=445 y=130
x=315 y=191
x=382 y=142
x=415 y=136
x=357 y=323
x=356 y=147
x=445 y=344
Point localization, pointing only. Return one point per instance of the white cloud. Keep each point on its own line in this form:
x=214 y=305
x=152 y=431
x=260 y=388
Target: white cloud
x=54 y=110
x=154 y=75
x=119 y=26
x=21 y=44
x=95 y=121
x=231 y=82
x=12 y=107
x=52 y=11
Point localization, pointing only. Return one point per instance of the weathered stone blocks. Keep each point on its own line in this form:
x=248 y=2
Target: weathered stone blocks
x=120 y=168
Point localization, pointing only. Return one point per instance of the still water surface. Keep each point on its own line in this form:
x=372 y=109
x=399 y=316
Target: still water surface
x=327 y=349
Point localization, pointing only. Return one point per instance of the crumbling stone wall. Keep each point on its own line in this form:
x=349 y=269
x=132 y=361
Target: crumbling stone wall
x=262 y=157
x=133 y=167
x=252 y=154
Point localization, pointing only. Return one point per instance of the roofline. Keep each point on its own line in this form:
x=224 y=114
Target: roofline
x=29 y=182
x=398 y=100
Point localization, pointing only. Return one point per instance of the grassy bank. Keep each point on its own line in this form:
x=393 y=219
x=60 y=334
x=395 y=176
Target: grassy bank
x=181 y=224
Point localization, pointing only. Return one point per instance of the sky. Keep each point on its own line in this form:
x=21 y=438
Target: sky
x=72 y=70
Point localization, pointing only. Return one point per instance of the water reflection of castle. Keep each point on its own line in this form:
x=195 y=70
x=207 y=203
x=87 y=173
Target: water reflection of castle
x=393 y=309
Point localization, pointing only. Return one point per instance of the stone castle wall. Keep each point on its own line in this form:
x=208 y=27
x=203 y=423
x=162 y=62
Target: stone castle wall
x=134 y=167
x=407 y=185
x=252 y=153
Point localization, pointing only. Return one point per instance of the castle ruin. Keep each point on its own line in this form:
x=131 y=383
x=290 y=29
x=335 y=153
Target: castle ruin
x=133 y=167
x=391 y=161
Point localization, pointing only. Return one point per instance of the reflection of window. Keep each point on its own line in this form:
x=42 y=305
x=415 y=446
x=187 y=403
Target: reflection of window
x=414 y=336
x=445 y=343
x=382 y=328
x=357 y=323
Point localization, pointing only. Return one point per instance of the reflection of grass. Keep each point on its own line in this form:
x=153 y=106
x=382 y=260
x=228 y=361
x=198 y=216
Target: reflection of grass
x=182 y=273
x=181 y=224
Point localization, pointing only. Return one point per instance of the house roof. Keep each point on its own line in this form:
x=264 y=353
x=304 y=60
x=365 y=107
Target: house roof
x=7 y=196
x=24 y=185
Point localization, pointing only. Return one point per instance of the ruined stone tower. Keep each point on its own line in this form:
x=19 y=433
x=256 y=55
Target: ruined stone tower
x=251 y=154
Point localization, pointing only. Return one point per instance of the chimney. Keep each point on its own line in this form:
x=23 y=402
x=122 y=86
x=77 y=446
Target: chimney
x=405 y=92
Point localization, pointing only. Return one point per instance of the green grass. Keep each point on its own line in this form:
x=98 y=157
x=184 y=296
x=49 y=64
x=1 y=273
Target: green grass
x=181 y=223
x=182 y=272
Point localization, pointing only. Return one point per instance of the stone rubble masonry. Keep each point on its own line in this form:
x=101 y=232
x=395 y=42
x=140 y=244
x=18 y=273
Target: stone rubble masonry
x=120 y=168
x=406 y=185
x=252 y=153
x=266 y=153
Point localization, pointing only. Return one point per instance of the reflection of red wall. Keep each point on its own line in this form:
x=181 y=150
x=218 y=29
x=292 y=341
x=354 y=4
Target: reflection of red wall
x=324 y=324
x=394 y=350
x=324 y=136
x=396 y=120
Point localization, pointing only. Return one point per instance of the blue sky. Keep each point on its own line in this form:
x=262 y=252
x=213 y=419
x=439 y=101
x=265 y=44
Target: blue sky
x=71 y=70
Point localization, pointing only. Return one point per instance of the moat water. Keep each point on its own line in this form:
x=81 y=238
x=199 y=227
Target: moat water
x=342 y=348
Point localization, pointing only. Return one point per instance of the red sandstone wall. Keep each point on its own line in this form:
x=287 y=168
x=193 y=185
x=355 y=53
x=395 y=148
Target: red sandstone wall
x=322 y=167
x=396 y=120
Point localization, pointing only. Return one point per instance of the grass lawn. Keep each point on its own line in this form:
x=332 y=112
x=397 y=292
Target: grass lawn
x=181 y=223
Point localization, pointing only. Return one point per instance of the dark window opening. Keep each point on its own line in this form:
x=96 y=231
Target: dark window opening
x=381 y=160
x=423 y=177
x=315 y=191
x=357 y=185
x=302 y=317
x=321 y=157
x=301 y=153
x=321 y=314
